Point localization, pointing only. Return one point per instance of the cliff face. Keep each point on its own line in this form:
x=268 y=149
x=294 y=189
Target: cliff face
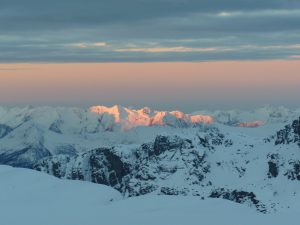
x=100 y=166
x=290 y=134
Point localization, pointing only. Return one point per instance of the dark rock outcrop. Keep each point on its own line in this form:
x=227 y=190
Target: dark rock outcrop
x=4 y=130
x=239 y=197
x=138 y=173
x=164 y=143
x=55 y=126
x=273 y=169
x=167 y=155
x=294 y=172
x=102 y=166
x=273 y=165
x=24 y=157
x=214 y=138
x=290 y=134
x=107 y=167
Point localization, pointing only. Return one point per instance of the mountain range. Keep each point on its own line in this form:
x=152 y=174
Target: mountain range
x=247 y=157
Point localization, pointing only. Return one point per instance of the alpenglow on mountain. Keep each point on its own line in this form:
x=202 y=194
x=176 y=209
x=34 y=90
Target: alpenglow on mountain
x=247 y=157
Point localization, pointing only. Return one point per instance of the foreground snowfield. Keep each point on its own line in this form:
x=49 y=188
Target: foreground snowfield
x=31 y=198
x=28 y=197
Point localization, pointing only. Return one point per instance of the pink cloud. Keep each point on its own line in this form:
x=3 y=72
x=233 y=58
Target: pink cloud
x=294 y=56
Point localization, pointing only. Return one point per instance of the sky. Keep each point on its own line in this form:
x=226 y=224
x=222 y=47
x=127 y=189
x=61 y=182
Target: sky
x=186 y=86
x=156 y=41
x=148 y=30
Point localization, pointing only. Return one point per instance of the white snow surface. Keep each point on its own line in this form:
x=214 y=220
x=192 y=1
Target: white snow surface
x=32 y=198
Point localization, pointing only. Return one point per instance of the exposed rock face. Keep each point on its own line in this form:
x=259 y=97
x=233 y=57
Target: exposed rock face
x=296 y=126
x=165 y=158
x=4 y=130
x=100 y=166
x=55 y=126
x=24 y=157
x=170 y=165
x=273 y=165
x=290 y=134
x=214 y=138
x=273 y=169
x=294 y=172
x=164 y=143
x=107 y=168
x=239 y=197
x=141 y=172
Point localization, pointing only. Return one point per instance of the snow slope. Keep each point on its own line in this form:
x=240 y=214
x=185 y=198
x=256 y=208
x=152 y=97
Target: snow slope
x=28 y=197
x=32 y=198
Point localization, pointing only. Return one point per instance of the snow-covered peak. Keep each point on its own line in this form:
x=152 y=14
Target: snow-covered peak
x=251 y=118
x=130 y=118
x=72 y=120
x=115 y=111
x=250 y=124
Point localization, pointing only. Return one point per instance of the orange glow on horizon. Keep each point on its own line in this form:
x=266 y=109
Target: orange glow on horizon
x=150 y=83
x=251 y=124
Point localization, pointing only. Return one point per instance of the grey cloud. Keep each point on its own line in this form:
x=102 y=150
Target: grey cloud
x=20 y=15
x=36 y=30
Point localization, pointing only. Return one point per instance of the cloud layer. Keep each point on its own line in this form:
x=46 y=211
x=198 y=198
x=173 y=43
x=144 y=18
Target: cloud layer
x=148 y=30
